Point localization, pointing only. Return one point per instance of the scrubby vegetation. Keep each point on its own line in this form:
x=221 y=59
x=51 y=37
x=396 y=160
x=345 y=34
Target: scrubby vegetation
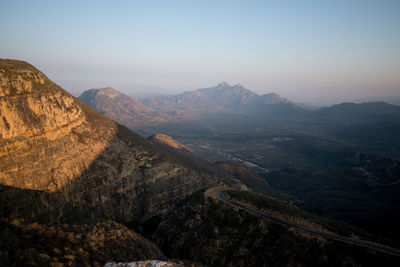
x=92 y=244
x=295 y=215
x=216 y=234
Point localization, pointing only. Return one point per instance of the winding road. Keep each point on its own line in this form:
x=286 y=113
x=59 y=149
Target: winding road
x=380 y=247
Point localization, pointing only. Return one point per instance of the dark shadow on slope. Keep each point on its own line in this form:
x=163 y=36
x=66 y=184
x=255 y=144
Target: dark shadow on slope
x=131 y=179
x=215 y=234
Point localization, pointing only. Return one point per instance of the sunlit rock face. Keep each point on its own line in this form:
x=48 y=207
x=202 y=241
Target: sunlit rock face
x=44 y=131
x=167 y=140
x=60 y=159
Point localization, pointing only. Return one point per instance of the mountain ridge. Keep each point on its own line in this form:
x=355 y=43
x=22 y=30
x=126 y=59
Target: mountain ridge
x=358 y=113
x=222 y=97
x=122 y=108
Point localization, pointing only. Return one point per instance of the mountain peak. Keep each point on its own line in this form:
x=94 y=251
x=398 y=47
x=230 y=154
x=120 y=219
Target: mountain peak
x=217 y=98
x=273 y=98
x=239 y=85
x=12 y=64
x=121 y=108
x=23 y=79
x=223 y=84
x=108 y=91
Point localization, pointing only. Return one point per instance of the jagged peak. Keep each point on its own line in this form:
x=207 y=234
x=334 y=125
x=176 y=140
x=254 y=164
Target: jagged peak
x=223 y=84
x=109 y=91
x=106 y=91
x=21 y=78
x=272 y=94
x=239 y=85
x=274 y=98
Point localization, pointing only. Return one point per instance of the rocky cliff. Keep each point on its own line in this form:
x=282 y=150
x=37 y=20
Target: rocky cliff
x=44 y=131
x=60 y=160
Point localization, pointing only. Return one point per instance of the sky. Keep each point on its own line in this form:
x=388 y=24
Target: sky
x=321 y=51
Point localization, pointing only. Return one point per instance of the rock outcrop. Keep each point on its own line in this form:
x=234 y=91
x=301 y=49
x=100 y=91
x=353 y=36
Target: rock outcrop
x=45 y=133
x=167 y=140
x=61 y=160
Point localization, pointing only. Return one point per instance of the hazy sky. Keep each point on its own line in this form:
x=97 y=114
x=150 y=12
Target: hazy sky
x=305 y=50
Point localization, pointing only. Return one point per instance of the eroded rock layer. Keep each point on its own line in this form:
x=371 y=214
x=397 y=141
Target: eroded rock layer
x=61 y=160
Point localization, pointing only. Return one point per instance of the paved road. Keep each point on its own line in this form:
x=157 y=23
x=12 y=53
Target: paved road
x=364 y=243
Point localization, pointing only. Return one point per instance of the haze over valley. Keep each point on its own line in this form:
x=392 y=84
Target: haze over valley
x=199 y=133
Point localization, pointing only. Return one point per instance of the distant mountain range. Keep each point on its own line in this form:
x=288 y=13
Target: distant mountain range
x=222 y=97
x=228 y=99
x=394 y=100
x=161 y=109
x=364 y=113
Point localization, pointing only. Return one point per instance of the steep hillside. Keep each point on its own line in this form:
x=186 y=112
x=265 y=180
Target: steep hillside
x=60 y=160
x=244 y=174
x=205 y=230
x=90 y=244
x=122 y=108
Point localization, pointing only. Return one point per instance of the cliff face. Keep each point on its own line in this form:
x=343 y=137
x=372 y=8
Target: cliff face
x=41 y=129
x=61 y=160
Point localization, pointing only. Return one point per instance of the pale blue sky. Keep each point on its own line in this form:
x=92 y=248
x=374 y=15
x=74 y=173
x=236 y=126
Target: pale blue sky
x=305 y=50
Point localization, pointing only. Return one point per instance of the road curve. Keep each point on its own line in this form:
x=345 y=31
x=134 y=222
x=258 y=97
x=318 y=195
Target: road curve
x=380 y=247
